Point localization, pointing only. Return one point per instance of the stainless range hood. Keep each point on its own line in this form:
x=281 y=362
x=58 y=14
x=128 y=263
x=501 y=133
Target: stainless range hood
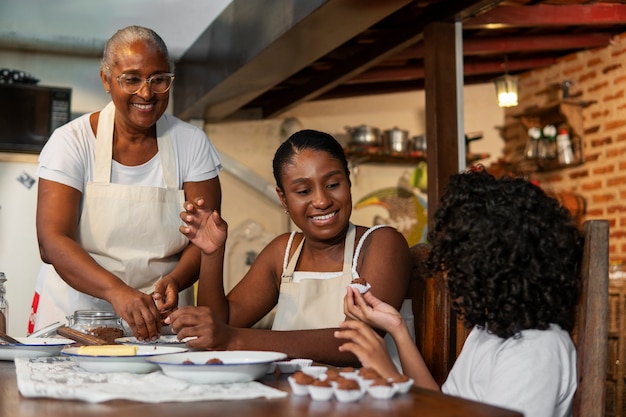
x=254 y=45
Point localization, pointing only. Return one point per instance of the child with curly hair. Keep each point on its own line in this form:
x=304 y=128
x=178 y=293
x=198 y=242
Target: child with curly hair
x=510 y=256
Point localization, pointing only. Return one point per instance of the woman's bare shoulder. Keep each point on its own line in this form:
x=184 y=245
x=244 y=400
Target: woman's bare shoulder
x=382 y=236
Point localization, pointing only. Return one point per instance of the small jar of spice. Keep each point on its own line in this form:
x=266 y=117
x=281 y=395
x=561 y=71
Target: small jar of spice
x=100 y=323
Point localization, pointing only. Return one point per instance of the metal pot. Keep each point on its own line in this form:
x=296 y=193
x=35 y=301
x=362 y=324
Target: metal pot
x=396 y=140
x=418 y=143
x=364 y=135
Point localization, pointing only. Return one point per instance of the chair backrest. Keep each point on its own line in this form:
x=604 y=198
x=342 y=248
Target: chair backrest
x=435 y=322
x=590 y=332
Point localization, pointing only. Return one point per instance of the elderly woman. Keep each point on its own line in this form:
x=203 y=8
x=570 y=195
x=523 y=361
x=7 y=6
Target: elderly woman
x=111 y=186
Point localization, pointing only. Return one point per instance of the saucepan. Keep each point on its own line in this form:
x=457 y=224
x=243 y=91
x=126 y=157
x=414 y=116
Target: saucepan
x=396 y=140
x=364 y=135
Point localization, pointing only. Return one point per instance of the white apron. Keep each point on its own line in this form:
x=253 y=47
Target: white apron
x=318 y=303
x=131 y=231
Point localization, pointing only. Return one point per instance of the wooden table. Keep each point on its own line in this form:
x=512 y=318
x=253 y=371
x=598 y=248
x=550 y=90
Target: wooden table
x=417 y=402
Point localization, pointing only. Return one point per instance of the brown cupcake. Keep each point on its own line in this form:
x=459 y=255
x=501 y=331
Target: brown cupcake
x=347 y=384
x=332 y=375
x=359 y=280
x=321 y=383
x=381 y=382
x=302 y=379
x=369 y=373
x=399 y=379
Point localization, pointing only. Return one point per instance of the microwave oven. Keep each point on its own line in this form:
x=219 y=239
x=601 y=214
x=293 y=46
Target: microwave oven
x=29 y=114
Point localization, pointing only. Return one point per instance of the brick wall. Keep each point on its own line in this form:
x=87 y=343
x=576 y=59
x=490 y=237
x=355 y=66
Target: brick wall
x=598 y=76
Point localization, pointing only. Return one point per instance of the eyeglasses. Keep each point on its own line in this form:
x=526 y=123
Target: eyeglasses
x=159 y=83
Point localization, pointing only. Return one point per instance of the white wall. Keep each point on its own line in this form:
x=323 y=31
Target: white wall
x=254 y=144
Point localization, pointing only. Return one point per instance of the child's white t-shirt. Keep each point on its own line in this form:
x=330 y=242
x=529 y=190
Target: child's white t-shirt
x=534 y=374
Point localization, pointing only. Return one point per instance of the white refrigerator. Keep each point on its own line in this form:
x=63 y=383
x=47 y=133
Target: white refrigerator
x=19 y=252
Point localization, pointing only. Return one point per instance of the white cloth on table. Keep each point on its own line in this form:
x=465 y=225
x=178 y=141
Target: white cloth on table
x=60 y=377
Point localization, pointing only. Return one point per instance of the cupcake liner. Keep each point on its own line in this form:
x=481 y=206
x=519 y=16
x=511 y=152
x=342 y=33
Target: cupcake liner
x=314 y=371
x=321 y=393
x=354 y=374
x=365 y=383
x=382 y=392
x=296 y=388
x=361 y=288
x=290 y=366
x=346 y=396
x=403 y=387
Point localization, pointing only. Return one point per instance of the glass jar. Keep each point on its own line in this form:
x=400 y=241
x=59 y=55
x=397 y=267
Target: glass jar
x=100 y=323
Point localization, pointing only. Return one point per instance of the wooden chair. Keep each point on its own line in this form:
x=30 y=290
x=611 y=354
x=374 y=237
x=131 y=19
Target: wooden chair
x=590 y=333
x=440 y=336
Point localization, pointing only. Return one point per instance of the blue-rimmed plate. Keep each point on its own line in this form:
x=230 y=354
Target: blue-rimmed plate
x=136 y=364
x=232 y=366
x=33 y=347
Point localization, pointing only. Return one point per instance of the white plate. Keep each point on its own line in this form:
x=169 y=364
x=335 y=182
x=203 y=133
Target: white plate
x=237 y=366
x=165 y=340
x=33 y=347
x=136 y=364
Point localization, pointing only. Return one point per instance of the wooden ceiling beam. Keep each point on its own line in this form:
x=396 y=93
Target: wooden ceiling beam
x=503 y=45
x=548 y=15
x=416 y=73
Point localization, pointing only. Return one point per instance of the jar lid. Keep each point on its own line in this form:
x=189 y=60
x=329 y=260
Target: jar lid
x=95 y=314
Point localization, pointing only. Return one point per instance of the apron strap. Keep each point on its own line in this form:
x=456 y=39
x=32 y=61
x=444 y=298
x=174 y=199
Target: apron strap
x=288 y=269
x=348 y=249
x=166 y=153
x=104 y=148
x=355 y=274
x=104 y=144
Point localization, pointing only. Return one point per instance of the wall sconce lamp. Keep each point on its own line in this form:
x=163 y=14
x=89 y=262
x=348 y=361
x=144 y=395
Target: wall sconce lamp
x=506 y=90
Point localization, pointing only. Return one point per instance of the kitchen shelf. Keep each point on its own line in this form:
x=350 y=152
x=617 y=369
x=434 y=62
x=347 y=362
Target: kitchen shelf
x=409 y=158
x=565 y=112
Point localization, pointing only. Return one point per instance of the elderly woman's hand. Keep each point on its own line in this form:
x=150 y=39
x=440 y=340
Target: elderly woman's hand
x=204 y=226
x=139 y=311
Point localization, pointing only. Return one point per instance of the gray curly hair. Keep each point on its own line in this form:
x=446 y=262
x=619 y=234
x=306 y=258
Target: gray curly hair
x=126 y=36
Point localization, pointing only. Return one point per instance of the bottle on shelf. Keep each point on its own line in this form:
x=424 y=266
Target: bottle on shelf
x=565 y=153
x=532 y=145
x=4 y=304
x=547 y=144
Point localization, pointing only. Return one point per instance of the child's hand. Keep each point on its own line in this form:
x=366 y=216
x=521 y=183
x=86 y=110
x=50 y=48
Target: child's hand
x=369 y=309
x=367 y=346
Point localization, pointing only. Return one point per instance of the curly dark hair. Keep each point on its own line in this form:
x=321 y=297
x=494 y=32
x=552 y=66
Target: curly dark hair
x=510 y=254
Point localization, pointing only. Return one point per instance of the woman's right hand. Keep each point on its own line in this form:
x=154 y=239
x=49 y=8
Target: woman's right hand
x=371 y=310
x=139 y=311
x=204 y=227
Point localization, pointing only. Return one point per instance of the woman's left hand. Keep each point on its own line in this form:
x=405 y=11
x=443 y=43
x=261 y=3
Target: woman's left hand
x=200 y=322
